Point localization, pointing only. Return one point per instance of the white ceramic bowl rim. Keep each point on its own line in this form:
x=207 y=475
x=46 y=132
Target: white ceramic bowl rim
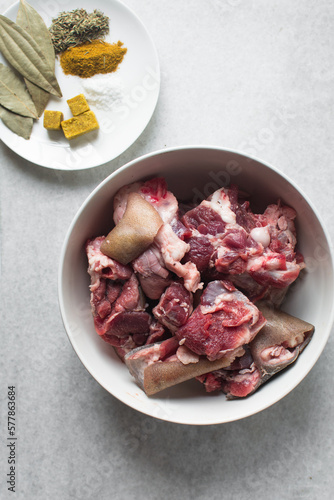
x=90 y=368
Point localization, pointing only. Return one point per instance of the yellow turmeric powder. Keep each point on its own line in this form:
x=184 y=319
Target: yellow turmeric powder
x=91 y=58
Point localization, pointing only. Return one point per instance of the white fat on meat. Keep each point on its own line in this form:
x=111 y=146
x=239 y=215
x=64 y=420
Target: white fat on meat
x=220 y=203
x=275 y=355
x=186 y=356
x=145 y=358
x=261 y=235
x=268 y=262
x=98 y=261
x=167 y=205
x=173 y=249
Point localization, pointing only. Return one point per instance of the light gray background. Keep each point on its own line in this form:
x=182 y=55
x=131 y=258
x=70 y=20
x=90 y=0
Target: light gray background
x=255 y=75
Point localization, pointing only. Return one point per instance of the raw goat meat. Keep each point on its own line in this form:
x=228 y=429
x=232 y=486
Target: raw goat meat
x=162 y=365
x=168 y=249
x=275 y=347
x=187 y=306
x=174 y=307
x=255 y=251
x=224 y=320
x=117 y=304
x=155 y=192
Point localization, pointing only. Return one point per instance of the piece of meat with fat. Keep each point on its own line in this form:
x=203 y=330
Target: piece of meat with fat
x=224 y=320
x=227 y=235
x=174 y=307
x=238 y=380
x=255 y=291
x=273 y=269
x=117 y=303
x=158 y=366
x=207 y=222
x=280 y=264
x=203 y=220
x=233 y=249
x=200 y=253
x=162 y=257
x=123 y=326
x=276 y=346
x=155 y=192
x=167 y=247
x=157 y=333
x=127 y=319
x=99 y=265
x=280 y=342
x=244 y=216
x=173 y=249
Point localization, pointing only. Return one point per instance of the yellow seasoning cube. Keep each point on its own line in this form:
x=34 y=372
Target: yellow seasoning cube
x=78 y=105
x=53 y=119
x=79 y=125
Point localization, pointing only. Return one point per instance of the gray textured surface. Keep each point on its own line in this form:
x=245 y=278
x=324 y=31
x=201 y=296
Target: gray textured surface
x=253 y=75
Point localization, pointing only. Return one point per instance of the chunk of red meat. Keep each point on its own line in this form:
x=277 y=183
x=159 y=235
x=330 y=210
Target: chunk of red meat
x=239 y=384
x=211 y=382
x=174 y=307
x=153 y=286
x=216 y=380
x=124 y=297
x=280 y=220
x=235 y=384
x=204 y=219
x=255 y=291
x=99 y=265
x=117 y=303
x=104 y=296
x=237 y=380
x=126 y=324
x=244 y=216
x=224 y=320
x=130 y=298
x=157 y=332
x=234 y=249
x=200 y=253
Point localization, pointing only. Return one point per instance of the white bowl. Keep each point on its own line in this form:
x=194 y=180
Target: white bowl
x=191 y=173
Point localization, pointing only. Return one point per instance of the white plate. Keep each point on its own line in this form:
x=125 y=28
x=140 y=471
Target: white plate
x=120 y=127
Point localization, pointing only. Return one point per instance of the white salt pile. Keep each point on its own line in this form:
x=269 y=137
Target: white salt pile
x=103 y=91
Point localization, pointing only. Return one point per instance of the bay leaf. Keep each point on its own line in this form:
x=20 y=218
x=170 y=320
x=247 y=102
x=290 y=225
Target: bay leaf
x=13 y=93
x=39 y=96
x=20 y=125
x=30 y=20
x=23 y=53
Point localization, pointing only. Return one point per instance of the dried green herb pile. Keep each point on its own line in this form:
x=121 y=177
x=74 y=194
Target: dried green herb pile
x=28 y=48
x=76 y=27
